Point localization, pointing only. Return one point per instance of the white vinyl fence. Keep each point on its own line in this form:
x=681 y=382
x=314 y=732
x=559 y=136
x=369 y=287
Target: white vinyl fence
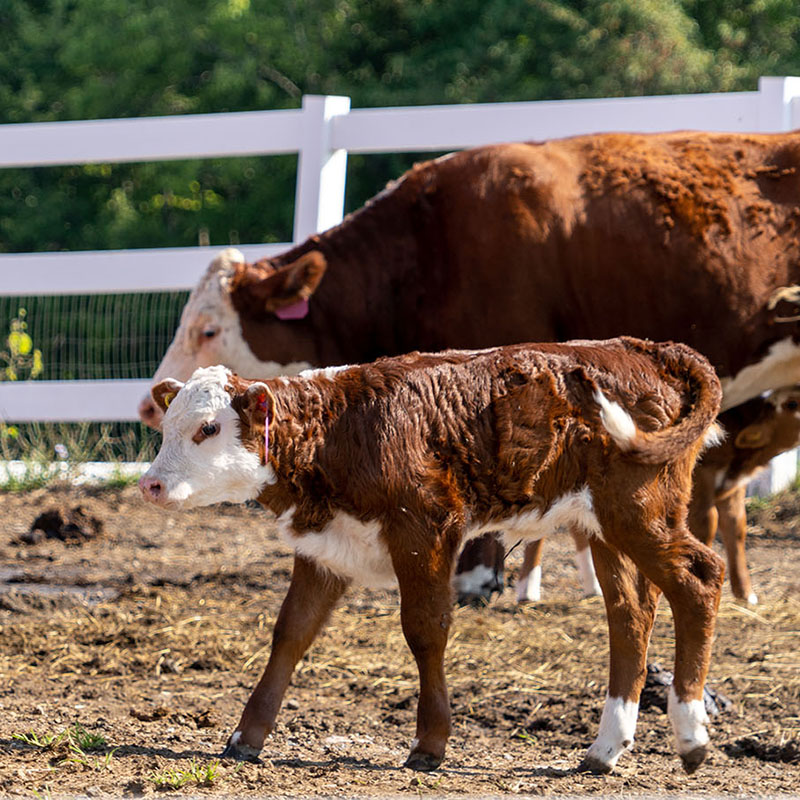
x=322 y=132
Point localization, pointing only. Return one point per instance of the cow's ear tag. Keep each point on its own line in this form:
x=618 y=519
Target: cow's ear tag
x=168 y=398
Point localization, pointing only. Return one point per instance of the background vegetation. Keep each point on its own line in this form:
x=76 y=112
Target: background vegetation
x=90 y=59
x=86 y=59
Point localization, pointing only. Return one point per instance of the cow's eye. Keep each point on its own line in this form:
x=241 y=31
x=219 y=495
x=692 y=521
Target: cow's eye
x=791 y=405
x=209 y=333
x=209 y=429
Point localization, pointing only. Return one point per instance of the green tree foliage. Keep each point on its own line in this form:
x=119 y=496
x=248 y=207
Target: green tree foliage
x=85 y=59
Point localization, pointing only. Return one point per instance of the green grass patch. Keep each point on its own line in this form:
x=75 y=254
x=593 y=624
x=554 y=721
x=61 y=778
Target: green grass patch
x=196 y=773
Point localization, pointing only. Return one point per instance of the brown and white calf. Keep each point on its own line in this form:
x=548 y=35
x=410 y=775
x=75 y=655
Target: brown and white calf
x=756 y=432
x=377 y=473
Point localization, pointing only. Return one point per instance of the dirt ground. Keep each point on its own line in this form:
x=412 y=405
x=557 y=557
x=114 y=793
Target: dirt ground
x=150 y=635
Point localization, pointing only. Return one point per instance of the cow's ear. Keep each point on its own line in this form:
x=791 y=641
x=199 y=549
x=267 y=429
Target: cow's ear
x=753 y=436
x=258 y=404
x=164 y=392
x=290 y=284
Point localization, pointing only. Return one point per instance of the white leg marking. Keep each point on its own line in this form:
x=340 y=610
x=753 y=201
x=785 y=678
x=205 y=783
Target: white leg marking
x=688 y=722
x=617 y=727
x=529 y=589
x=586 y=573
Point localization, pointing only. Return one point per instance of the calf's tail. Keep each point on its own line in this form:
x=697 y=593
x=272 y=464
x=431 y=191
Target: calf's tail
x=703 y=397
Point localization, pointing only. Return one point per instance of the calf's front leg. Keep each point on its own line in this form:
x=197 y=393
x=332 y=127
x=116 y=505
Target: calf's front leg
x=426 y=601
x=312 y=594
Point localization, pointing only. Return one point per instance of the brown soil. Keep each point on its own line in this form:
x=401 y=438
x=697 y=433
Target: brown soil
x=153 y=633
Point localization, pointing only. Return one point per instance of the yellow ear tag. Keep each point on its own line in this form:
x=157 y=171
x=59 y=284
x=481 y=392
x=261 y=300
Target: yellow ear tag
x=167 y=398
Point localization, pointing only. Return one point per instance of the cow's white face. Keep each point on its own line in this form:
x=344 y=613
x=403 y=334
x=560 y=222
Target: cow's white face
x=209 y=333
x=202 y=459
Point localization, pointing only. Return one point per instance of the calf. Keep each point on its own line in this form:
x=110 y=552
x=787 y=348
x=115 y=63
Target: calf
x=377 y=473
x=757 y=431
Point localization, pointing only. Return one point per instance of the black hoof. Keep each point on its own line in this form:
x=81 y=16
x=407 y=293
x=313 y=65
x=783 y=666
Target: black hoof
x=422 y=762
x=241 y=752
x=594 y=765
x=694 y=758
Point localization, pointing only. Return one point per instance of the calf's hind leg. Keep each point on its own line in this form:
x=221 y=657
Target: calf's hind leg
x=690 y=575
x=631 y=601
x=312 y=595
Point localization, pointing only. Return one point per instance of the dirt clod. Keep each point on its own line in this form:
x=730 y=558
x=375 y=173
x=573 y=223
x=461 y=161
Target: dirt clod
x=72 y=525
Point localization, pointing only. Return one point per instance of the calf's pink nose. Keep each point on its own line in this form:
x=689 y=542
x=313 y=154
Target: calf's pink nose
x=151 y=489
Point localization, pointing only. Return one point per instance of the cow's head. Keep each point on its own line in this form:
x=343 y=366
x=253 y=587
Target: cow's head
x=232 y=293
x=213 y=440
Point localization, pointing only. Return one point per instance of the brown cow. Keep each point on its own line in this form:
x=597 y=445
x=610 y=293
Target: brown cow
x=684 y=236
x=377 y=473
x=757 y=431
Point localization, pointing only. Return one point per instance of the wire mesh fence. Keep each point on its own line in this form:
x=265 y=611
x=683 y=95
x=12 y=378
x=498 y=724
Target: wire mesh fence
x=83 y=337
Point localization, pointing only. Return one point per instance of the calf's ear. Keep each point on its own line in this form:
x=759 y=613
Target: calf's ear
x=164 y=392
x=290 y=284
x=752 y=437
x=258 y=403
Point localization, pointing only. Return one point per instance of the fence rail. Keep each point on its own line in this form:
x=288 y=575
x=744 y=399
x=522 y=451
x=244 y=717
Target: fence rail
x=322 y=133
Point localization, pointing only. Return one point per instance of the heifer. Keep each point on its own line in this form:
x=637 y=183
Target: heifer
x=591 y=236
x=587 y=237
x=757 y=431
x=377 y=473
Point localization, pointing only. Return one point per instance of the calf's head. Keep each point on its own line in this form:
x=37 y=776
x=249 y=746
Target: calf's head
x=213 y=447
x=238 y=315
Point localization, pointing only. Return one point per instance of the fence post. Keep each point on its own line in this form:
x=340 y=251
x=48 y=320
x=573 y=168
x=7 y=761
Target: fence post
x=321 y=171
x=775 y=103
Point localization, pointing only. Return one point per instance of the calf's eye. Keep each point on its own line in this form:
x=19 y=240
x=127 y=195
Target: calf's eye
x=791 y=405
x=209 y=333
x=206 y=431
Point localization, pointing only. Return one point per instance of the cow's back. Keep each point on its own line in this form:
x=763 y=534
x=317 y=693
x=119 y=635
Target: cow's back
x=673 y=236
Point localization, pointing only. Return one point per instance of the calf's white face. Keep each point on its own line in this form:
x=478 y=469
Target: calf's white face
x=202 y=459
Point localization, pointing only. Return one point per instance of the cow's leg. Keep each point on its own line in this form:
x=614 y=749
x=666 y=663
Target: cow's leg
x=529 y=582
x=426 y=600
x=703 y=517
x=585 y=565
x=312 y=595
x=733 y=529
x=479 y=571
x=631 y=601
x=690 y=575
